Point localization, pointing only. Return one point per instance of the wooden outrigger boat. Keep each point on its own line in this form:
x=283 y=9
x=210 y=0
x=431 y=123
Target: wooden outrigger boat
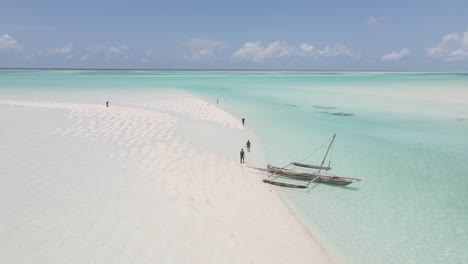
x=308 y=176
x=331 y=179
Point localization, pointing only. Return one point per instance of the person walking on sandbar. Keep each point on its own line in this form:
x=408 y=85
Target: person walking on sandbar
x=107 y=104
x=248 y=145
x=243 y=121
x=242 y=156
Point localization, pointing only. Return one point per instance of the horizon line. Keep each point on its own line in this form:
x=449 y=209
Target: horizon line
x=207 y=69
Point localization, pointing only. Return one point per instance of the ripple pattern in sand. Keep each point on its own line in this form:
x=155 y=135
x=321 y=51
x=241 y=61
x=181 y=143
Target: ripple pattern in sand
x=188 y=107
x=117 y=185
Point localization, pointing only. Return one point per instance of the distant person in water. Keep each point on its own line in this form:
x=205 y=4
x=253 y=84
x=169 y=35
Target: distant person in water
x=217 y=101
x=242 y=156
x=243 y=121
x=107 y=104
x=248 y=145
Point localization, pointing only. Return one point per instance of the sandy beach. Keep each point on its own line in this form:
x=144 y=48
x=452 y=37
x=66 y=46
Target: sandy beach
x=142 y=181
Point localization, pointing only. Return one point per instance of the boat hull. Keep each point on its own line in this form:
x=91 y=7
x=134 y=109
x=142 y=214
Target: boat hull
x=343 y=181
x=289 y=185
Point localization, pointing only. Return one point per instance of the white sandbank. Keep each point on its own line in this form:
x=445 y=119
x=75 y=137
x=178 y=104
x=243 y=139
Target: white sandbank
x=156 y=181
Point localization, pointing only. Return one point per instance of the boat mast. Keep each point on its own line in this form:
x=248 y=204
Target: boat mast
x=324 y=158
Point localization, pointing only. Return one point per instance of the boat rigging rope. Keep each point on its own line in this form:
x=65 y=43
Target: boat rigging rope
x=287 y=165
x=315 y=151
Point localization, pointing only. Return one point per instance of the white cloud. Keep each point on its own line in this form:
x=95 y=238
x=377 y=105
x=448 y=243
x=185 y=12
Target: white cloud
x=66 y=50
x=202 y=49
x=148 y=54
x=105 y=52
x=396 y=55
x=306 y=49
x=9 y=43
x=257 y=52
x=337 y=50
x=116 y=50
x=453 y=47
x=379 y=20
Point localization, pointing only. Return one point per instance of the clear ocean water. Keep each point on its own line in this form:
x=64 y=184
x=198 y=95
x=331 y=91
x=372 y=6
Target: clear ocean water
x=404 y=134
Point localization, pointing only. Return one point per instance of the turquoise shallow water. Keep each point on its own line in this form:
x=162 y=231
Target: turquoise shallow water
x=404 y=134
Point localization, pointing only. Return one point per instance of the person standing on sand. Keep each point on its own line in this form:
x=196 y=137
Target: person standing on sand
x=107 y=104
x=248 y=145
x=243 y=121
x=242 y=156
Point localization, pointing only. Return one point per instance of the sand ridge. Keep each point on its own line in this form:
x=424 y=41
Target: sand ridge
x=119 y=185
x=188 y=107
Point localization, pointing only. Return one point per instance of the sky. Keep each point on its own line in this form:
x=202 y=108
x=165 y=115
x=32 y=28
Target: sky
x=356 y=35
